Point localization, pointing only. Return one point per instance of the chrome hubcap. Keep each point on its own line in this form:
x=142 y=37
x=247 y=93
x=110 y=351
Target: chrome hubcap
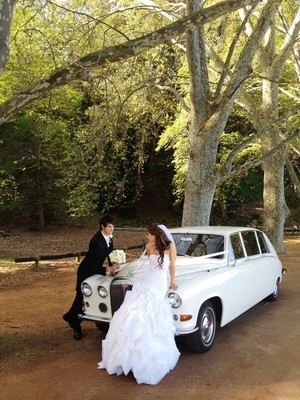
x=207 y=325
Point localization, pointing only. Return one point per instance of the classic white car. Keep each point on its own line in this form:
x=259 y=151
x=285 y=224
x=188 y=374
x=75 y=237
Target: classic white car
x=220 y=271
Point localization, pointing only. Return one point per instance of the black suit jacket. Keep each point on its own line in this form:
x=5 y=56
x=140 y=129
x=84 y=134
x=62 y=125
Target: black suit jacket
x=93 y=261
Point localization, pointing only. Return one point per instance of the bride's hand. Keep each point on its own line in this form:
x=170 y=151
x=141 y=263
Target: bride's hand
x=113 y=269
x=173 y=286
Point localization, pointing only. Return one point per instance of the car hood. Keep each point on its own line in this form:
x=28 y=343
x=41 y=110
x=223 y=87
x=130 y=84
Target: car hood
x=183 y=266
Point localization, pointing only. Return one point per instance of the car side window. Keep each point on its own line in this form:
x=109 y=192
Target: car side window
x=197 y=248
x=263 y=245
x=207 y=244
x=250 y=243
x=236 y=248
x=197 y=245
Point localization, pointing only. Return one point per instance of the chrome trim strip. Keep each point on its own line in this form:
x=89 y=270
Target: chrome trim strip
x=84 y=317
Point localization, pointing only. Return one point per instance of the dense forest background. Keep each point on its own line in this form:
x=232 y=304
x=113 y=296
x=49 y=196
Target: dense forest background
x=118 y=141
x=36 y=185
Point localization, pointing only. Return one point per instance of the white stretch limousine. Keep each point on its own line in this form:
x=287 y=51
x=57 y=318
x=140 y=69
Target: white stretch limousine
x=220 y=271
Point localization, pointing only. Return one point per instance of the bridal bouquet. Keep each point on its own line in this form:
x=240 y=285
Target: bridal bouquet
x=117 y=256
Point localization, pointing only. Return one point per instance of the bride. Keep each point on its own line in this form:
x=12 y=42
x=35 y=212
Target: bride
x=141 y=333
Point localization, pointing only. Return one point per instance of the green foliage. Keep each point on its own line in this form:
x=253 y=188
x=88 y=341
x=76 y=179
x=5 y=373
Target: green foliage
x=32 y=158
x=85 y=146
x=245 y=188
x=290 y=196
x=103 y=144
x=236 y=199
x=122 y=127
x=8 y=189
x=175 y=137
x=240 y=188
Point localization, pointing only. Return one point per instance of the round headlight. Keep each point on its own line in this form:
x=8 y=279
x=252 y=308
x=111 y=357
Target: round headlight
x=86 y=289
x=102 y=291
x=175 y=300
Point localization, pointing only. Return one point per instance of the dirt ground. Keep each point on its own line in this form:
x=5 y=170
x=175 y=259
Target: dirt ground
x=257 y=356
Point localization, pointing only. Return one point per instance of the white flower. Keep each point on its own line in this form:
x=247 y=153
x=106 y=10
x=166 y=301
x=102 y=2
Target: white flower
x=117 y=256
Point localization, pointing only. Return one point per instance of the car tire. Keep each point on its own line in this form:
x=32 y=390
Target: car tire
x=102 y=326
x=274 y=296
x=202 y=340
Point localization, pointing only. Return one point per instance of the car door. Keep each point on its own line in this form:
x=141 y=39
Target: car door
x=244 y=255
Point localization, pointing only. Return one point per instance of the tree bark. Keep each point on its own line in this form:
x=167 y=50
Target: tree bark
x=6 y=13
x=275 y=209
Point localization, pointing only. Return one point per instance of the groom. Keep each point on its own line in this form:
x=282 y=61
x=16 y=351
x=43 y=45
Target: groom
x=99 y=248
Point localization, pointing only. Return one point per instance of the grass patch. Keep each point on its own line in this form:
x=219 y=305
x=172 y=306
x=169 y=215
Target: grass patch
x=5 y=261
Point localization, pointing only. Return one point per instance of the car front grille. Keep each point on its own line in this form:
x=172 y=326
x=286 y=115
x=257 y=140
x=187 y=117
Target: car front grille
x=118 y=289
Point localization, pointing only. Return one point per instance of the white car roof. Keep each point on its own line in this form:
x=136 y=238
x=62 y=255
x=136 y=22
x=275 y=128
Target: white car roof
x=216 y=230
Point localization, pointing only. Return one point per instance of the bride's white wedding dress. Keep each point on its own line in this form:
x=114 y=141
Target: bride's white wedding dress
x=141 y=333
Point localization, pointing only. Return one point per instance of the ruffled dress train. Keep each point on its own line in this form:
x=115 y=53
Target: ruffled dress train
x=141 y=333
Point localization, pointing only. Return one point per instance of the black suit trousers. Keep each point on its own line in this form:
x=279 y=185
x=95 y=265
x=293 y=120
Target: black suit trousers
x=76 y=308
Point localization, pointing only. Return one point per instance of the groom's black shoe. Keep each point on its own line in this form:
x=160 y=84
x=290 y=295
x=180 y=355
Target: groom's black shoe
x=77 y=335
x=74 y=323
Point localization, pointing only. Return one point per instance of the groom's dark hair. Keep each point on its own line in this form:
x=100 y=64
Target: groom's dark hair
x=105 y=220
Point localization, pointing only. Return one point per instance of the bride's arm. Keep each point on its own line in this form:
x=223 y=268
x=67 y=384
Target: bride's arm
x=173 y=253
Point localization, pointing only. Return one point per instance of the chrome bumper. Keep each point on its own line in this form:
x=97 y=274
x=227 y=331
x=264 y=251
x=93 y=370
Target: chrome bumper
x=84 y=317
x=182 y=333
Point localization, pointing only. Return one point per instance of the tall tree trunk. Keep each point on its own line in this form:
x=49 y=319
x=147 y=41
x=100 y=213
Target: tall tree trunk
x=6 y=13
x=202 y=176
x=275 y=208
x=272 y=62
x=200 y=184
x=39 y=190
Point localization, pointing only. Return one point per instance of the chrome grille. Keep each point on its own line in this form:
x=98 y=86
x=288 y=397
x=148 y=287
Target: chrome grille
x=118 y=288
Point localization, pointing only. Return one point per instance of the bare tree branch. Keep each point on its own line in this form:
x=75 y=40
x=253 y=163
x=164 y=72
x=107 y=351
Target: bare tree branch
x=255 y=163
x=293 y=176
x=227 y=166
x=226 y=66
x=81 y=69
x=243 y=66
x=289 y=42
x=177 y=95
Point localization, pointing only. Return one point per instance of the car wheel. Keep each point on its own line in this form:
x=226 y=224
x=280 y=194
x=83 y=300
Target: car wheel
x=102 y=326
x=202 y=340
x=275 y=294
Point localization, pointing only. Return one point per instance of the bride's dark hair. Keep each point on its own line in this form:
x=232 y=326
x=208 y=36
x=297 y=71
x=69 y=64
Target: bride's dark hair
x=162 y=243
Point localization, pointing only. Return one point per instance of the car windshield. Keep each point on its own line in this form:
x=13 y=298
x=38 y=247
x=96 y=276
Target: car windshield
x=198 y=244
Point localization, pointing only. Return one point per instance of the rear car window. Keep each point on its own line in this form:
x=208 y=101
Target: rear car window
x=250 y=243
x=262 y=243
